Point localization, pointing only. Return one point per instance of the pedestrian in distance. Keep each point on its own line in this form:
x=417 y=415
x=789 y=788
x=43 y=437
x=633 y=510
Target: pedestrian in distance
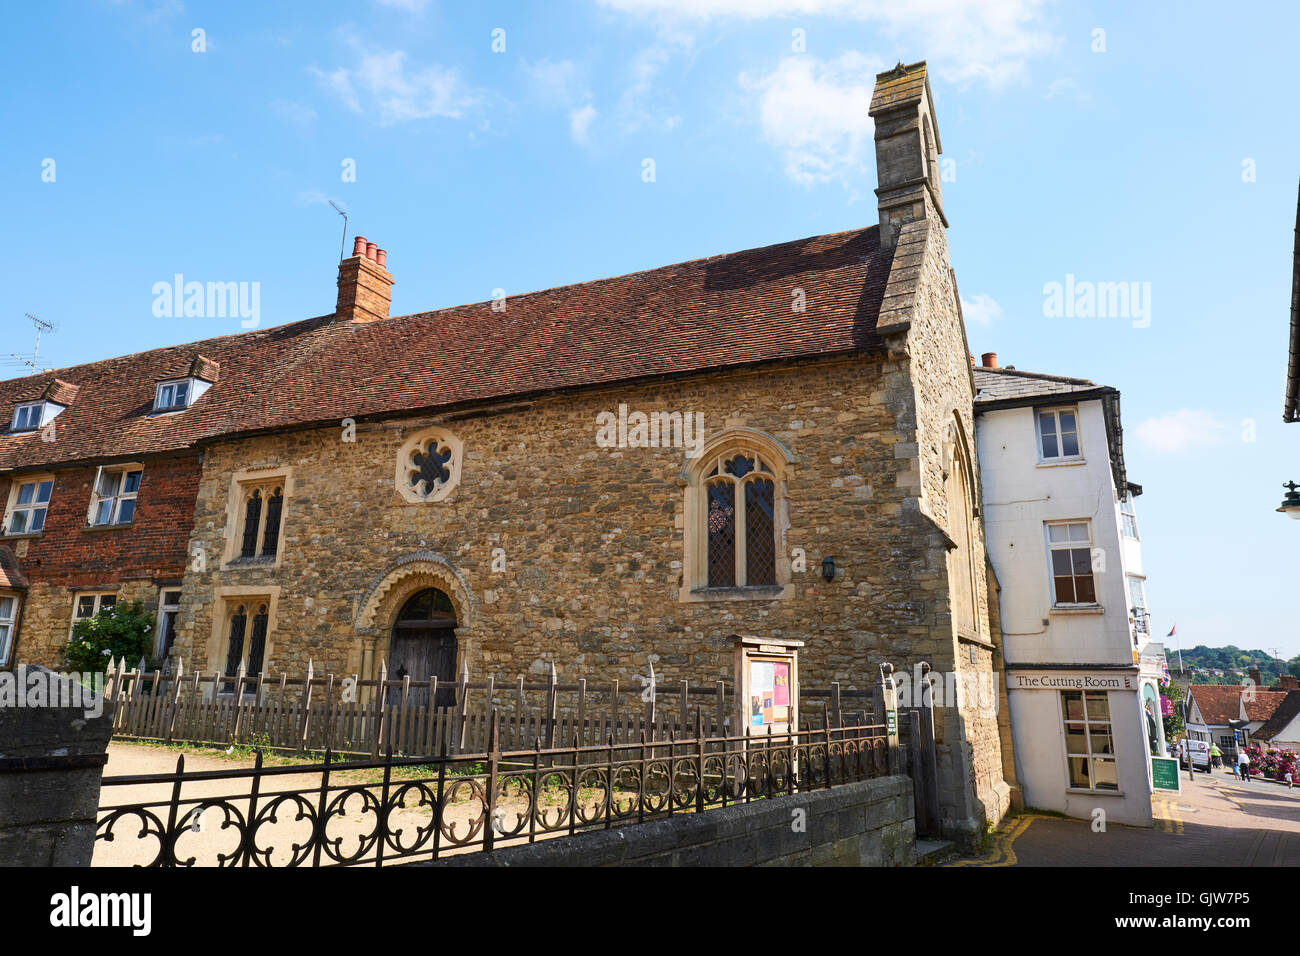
x=1243 y=766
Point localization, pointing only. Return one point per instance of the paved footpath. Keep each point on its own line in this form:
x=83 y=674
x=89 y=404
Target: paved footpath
x=1216 y=821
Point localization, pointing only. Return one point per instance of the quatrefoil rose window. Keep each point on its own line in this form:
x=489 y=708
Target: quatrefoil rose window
x=428 y=465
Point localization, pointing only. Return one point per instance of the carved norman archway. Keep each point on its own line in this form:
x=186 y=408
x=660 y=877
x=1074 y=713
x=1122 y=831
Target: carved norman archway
x=383 y=600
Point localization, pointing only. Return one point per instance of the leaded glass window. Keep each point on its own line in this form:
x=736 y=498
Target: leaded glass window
x=235 y=647
x=261 y=518
x=741 y=526
x=760 y=532
x=271 y=534
x=252 y=521
x=722 y=534
x=257 y=643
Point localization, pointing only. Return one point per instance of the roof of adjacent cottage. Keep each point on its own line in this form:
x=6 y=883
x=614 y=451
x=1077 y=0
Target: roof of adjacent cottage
x=1219 y=704
x=998 y=388
x=995 y=385
x=10 y=577
x=1281 y=718
x=1263 y=704
x=719 y=312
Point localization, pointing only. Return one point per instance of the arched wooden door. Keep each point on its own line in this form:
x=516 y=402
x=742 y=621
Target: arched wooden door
x=423 y=645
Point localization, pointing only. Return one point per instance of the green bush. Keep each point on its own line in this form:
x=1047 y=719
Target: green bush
x=121 y=631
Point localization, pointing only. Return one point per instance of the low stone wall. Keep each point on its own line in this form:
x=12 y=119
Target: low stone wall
x=858 y=824
x=51 y=760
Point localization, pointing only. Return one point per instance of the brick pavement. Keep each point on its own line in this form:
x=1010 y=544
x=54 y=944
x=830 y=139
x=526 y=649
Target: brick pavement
x=1215 y=821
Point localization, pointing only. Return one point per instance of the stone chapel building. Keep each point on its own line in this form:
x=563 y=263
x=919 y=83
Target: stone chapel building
x=584 y=476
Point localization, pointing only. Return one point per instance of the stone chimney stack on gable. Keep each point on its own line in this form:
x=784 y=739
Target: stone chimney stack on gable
x=365 y=284
x=907 y=151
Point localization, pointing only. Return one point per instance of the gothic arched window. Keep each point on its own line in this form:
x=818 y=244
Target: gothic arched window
x=736 y=517
x=959 y=487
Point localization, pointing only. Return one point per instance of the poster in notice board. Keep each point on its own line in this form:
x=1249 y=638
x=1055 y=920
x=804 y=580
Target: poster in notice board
x=769 y=692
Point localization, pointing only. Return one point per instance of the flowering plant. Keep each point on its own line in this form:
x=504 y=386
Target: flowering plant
x=120 y=631
x=1272 y=763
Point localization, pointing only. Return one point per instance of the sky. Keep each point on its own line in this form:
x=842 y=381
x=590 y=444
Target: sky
x=514 y=147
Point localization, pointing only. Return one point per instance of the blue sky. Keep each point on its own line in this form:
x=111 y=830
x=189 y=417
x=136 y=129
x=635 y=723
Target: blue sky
x=1163 y=151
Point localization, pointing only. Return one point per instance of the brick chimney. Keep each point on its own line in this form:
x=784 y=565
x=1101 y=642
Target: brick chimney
x=1288 y=682
x=907 y=151
x=1254 y=675
x=365 y=285
x=989 y=359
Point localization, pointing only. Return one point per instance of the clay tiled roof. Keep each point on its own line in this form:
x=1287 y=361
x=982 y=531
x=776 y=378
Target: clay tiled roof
x=1283 y=714
x=1265 y=702
x=1219 y=703
x=729 y=310
x=10 y=576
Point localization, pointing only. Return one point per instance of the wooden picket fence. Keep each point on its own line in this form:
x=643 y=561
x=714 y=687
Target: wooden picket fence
x=349 y=715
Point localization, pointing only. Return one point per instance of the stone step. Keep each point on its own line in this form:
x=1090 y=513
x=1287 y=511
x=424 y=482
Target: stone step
x=931 y=851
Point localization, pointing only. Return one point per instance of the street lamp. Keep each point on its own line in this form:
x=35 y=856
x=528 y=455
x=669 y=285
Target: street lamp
x=1291 y=500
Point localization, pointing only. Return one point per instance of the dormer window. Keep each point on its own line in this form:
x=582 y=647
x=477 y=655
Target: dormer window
x=27 y=418
x=178 y=394
x=30 y=416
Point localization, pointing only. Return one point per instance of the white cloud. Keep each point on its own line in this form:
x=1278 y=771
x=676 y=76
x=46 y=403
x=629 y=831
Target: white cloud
x=982 y=310
x=990 y=41
x=815 y=113
x=1064 y=86
x=1185 y=429
x=313 y=197
x=564 y=84
x=641 y=104
x=382 y=84
x=580 y=123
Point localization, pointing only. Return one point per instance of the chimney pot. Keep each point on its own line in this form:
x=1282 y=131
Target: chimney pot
x=990 y=359
x=365 y=286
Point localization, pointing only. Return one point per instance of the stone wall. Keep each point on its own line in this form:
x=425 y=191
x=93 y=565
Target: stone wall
x=921 y=320
x=51 y=760
x=592 y=538
x=859 y=824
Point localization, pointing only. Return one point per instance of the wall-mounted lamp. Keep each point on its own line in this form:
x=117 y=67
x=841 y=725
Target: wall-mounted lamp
x=828 y=569
x=1291 y=500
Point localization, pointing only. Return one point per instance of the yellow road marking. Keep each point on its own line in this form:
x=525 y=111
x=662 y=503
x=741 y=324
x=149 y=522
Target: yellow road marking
x=1003 y=853
x=1168 y=820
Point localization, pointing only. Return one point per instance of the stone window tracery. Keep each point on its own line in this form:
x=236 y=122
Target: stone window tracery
x=428 y=465
x=736 y=519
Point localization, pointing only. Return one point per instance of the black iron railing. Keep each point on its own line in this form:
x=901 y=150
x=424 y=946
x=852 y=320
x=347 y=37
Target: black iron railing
x=406 y=809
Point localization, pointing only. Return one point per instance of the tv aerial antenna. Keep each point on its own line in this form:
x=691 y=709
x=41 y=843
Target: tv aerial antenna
x=344 y=244
x=41 y=326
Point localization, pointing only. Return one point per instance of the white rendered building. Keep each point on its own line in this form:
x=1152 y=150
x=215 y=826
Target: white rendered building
x=1062 y=536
